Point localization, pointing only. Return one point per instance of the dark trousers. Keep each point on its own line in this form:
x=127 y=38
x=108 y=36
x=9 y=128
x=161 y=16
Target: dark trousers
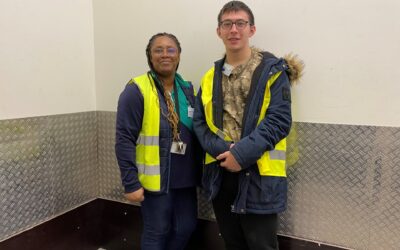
x=168 y=219
x=243 y=231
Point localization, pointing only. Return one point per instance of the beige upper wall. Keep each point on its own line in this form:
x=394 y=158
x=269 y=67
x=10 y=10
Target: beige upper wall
x=351 y=50
x=46 y=57
x=47 y=54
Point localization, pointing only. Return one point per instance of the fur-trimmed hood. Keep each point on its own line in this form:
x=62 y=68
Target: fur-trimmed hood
x=296 y=68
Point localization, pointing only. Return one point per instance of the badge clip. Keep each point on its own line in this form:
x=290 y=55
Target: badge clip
x=178 y=147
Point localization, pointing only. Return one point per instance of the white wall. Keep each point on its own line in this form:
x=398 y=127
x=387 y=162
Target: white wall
x=46 y=57
x=350 y=49
x=122 y=30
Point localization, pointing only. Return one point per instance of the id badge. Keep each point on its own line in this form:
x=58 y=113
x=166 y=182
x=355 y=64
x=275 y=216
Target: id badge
x=190 y=112
x=178 y=148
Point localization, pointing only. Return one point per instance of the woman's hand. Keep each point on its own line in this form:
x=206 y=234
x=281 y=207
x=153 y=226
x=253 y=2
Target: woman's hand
x=137 y=196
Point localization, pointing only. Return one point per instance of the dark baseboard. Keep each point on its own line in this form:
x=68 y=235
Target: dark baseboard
x=117 y=226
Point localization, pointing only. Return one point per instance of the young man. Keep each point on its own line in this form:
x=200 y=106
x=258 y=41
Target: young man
x=242 y=118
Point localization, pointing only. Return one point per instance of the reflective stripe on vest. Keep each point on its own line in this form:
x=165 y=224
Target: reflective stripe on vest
x=271 y=163
x=147 y=144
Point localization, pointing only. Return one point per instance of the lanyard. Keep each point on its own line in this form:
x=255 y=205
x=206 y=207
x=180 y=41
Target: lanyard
x=176 y=102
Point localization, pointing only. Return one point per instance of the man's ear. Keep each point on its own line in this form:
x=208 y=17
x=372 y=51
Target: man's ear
x=218 y=32
x=252 y=30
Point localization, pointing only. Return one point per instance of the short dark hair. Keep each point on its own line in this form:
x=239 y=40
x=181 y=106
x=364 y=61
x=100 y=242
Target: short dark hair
x=236 y=6
x=150 y=44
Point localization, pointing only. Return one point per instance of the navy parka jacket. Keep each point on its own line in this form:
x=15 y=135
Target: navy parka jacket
x=257 y=194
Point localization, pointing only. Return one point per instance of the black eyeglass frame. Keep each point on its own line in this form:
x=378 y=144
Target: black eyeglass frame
x=244 y=22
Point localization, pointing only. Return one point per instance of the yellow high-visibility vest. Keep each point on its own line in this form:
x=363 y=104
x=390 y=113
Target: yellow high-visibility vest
x=147 y=144
x=271 y=163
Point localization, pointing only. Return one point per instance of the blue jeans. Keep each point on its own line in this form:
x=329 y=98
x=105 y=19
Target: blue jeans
x=168 y=219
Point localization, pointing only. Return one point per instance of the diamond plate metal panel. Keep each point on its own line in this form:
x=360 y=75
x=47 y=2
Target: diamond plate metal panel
x=344 y=180
x=384 y=226
x=343 y=188
x=330 y=184
x=109 y=176
x=74 y=139
x=25 y=171
x=343 y=183
x=47 y=166
x=204 y=208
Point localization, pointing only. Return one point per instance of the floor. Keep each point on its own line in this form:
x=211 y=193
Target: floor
x=109 y=225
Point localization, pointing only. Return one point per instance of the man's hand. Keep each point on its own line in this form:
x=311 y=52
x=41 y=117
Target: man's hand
x=229 y=162
x=137 y=196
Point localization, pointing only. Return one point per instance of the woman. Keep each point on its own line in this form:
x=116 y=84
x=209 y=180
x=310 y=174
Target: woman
x=155 y=147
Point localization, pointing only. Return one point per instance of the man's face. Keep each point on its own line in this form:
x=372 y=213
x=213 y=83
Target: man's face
x=235 y=36
x=164 y=56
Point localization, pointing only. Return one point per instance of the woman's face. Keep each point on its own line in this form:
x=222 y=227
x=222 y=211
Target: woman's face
x=164 y=56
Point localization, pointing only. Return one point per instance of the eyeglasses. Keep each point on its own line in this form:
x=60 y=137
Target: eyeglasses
x=227 y=24
x=170 y=51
